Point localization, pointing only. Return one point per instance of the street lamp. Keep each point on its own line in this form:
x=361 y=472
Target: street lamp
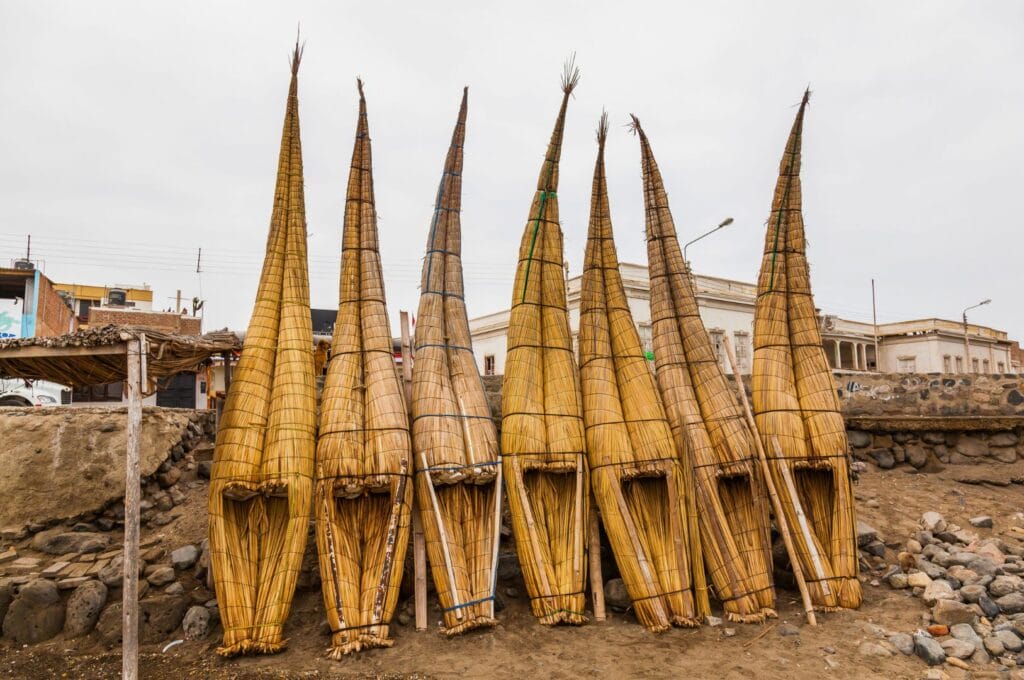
x=967 y=339
x=724 y=223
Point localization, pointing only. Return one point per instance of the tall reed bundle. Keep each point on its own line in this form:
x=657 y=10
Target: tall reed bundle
x=795 y=401
x=262 y=478
x=637 y=474
x=542 y=437
x=708 y=425
x=454 y=437
x=363 y=459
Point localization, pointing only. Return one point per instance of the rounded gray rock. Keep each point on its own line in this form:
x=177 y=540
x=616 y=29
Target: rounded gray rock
x=902 y=642
x=161 y=576
x=929 y=649
x=1010 y=641
x=616 y=595
x=959 y=649
x=36 y=614
x=972 y=593
x=196 y=623
x=84 y=608
x=1011 y=604
x=184 y=557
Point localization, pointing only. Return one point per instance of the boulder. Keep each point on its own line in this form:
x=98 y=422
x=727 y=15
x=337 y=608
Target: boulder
x=938 y=590
x=873 y=649
x=971 y=446
x=1011 y=642
x=161 y=576
x=184 y=557
x=169 y=478
x=196 y=623
x=159 y=618
x=84 y=607
x=903 y=642
x=1004 y=585
x=36 y=614
x=965 y=632
x=988 y=607
x=918 y=579
x=929 y=649
x=113 y=574
x=917 y=456
x=865 y=534
x=80 y=454
x=883 y=458
x=1009 y=604
x=57 y=541
x=972 y=593
x=932 y=521
x=981 y=521
x=994 y=646
x=958 y=649
x=951 y=612
x=1003 y=439
x=858 y=439
x=616 y=595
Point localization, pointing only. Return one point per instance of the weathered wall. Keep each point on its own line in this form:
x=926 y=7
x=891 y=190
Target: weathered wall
x=164 y=321
x=53 y=316
x=931 y=394
x=60 y=463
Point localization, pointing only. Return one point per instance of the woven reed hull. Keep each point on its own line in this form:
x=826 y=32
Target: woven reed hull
x=364 y=463
x=542 y=439
x=795 y=403
x=637 y=475
x=361 y=577
x=454 y=436
x=707 y=424
x=261 y=482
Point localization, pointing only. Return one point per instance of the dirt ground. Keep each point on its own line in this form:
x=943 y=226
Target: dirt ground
x=890 y=501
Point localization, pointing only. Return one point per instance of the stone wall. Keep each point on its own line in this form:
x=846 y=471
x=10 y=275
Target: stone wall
x=932 y=394
x=925 y=449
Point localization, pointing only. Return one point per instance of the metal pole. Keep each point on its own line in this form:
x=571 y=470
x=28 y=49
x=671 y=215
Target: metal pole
x=874 y=320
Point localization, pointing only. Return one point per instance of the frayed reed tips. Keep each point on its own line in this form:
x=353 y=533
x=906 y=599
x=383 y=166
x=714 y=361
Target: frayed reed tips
x=602 y=128
x=570 y=75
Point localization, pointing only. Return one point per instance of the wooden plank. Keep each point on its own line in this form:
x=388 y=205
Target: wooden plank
x=136 y=356
x=596 y=576
x=38 y=352
x=419 y=544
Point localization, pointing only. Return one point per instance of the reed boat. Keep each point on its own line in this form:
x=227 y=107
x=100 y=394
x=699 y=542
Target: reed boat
x=364 y=465
x=261 y=482
x=795 y=404
x=636 y=472
x=707 y=423
x=542 y=438
x=458 y=471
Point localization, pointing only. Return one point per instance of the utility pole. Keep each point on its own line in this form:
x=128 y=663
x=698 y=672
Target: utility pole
x=967 y=337
x=874 y=321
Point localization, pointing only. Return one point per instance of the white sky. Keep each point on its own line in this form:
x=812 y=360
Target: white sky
x=132 y=134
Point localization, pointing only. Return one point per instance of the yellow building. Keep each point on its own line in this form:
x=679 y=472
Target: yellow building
x=82 y=297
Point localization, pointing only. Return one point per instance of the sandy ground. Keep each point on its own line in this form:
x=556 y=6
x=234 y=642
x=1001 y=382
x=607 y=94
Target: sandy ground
x=890 y=501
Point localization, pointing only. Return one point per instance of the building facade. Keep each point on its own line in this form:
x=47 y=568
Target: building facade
x=727 y=309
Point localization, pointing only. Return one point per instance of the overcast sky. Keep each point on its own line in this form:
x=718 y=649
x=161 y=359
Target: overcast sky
x=132 y=134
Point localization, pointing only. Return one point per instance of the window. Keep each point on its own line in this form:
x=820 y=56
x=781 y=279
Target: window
x=107 y=392
x=1001 y=367
x=947 y=364
x=974 y=365
x=717 y=336
x=741 y=341
x=959 y=364
x=984 y=366
x=906 y=364
x=488 y=364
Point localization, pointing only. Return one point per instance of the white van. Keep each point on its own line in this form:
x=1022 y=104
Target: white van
x=17 y=392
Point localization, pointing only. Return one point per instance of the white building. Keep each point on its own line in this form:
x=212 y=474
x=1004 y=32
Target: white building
x=727 y=308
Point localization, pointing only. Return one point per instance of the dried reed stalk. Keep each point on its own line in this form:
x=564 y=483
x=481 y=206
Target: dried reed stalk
x=636 y=471
x=364 y=455
x=453 y=434
x=707 y=423
x=795 y=400
x=542 y=438
x=262 y=478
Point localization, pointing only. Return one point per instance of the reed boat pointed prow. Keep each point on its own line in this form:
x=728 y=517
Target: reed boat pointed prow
x=458 y=480
x=716 y=444
x=262 y=476
x=364 y=462
x=542 y=438
x=794 y=400
x=638 y=477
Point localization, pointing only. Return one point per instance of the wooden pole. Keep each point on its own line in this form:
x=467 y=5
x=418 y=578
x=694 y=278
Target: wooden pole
x=596 y=576
x=135 y=379
x=445 y=549
x=419 y=544
x=780 y=516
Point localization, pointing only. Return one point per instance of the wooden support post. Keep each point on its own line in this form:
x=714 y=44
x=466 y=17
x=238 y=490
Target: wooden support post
x=419 y=544
x=596 y=577
x=136 y=379
x=780 y=515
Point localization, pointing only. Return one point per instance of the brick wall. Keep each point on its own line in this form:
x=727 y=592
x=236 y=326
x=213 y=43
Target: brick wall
x=162 y=321
x=53 y=316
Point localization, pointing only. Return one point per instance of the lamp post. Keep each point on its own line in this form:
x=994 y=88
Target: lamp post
x=724 y=223
x=967 y=338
